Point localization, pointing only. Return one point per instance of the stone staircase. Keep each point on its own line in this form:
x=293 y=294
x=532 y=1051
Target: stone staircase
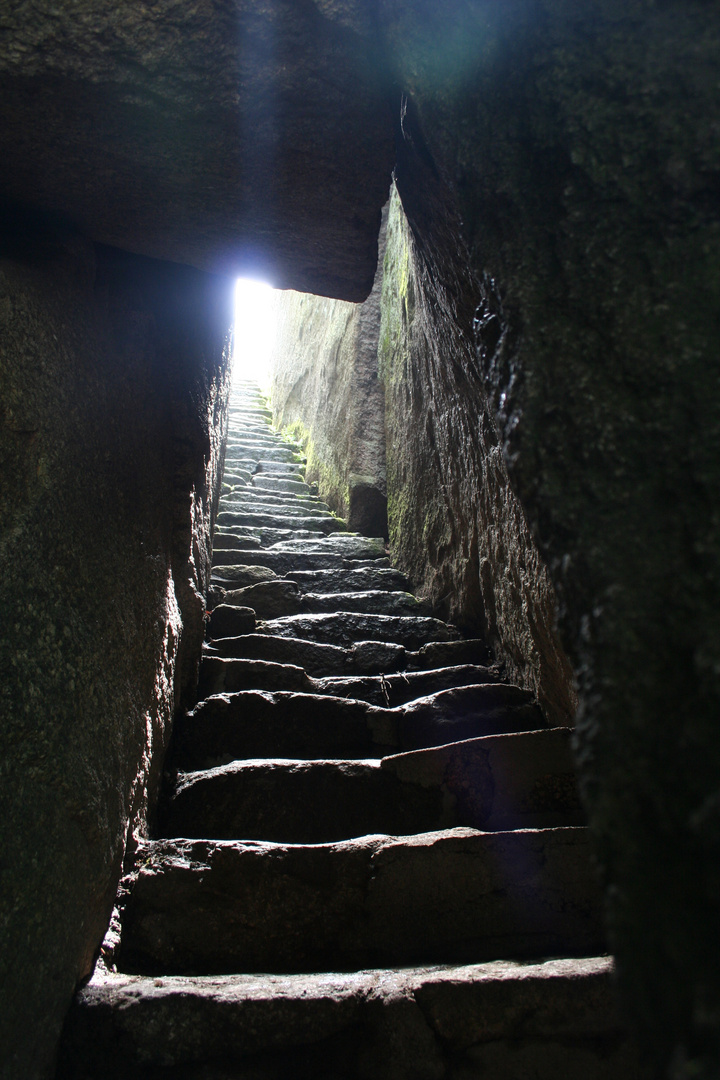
x=369 y=859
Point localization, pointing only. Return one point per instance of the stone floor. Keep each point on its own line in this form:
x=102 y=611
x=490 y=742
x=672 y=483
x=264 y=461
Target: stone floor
x=370 y=858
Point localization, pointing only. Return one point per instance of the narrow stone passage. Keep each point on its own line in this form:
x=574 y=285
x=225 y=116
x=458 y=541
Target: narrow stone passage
x=370 y=859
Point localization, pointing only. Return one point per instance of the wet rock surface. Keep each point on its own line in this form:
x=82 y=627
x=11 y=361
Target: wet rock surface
x=356 y=789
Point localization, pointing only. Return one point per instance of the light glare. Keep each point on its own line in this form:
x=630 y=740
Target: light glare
x=254 y=335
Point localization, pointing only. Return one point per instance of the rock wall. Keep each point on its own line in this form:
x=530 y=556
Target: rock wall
x=456 y=528
x=113 y=380
x=578 y=144
x=325 y=389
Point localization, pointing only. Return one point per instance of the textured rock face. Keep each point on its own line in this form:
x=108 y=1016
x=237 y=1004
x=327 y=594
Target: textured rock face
x=582 y=147
x=237 y=137
x=326 y=388
x=112 y=377
x=456 y=528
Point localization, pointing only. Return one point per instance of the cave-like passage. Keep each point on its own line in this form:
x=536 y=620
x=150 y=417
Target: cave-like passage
x=359 y=818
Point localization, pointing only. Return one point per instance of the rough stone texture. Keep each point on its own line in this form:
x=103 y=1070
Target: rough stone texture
x=345 y=628
x=456 y=528
x=325 y=389
x=501 y=782
x=455 y=896
x=112 y=382
x=419 y=1024
x=394 y=690
x=236 y=137
x=232 y=726
x=581 y=142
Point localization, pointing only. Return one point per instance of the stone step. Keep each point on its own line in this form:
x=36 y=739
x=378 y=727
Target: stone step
x=368 y=602
x=391 y=690
x=238 y=503
x=253 y=675
x=285 y=562
x=244 y=464
x=241 y=421
x=261 y=536
x=497 y=783
x=237 y=479
x=345 y=628
x=364 y=658
x=509 y=1020
x=251 y=496
x=229 y=518
x=228 y=620
x=457 y=896
x=239 y=576
x=241 y=410
x=278 y=598
x=323 y=582
x=256 y=538
x=269 y=599
x=266 y=482
x=256 y=438
x=231 y=726
x=281 y=468
x=439 y=654
x=262 y=724
x=316 y=657
x=250 y=452
x=349 y=544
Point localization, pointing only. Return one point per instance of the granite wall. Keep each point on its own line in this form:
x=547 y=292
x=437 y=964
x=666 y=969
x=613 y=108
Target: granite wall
x=113 y=374
x=578 y=145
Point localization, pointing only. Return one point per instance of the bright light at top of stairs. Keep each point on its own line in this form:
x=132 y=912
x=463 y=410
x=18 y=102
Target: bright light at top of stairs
x=255 y=314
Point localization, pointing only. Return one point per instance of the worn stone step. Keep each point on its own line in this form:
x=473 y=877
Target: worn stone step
x=293 y=470
x=259 y=451
x=318 y=658
x=239 y=576
x=496 y=783
x=228 y=518
x=253 y=439
x=238 y=412
x=264 y=537
x=240 y=420
x=237 y=479
x=388 y=690
x=251 y=496
x=229 y=541
x=228 y=620
x=438 y=654
x=368 y=602
x=466 y=712
x=251 y=674
x=345 y=628
x=255 y=537
x=350 y=545
x=263 y=724
x=238 y=503
x=269 y=599
x=458 y=896
x=231 y=726
x=241 y=433
x=267 y=482
x=509 y=1020
x=267 y=536
x=323 y=582
x=278 y=598
x=321 y=659
x=286 y=562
